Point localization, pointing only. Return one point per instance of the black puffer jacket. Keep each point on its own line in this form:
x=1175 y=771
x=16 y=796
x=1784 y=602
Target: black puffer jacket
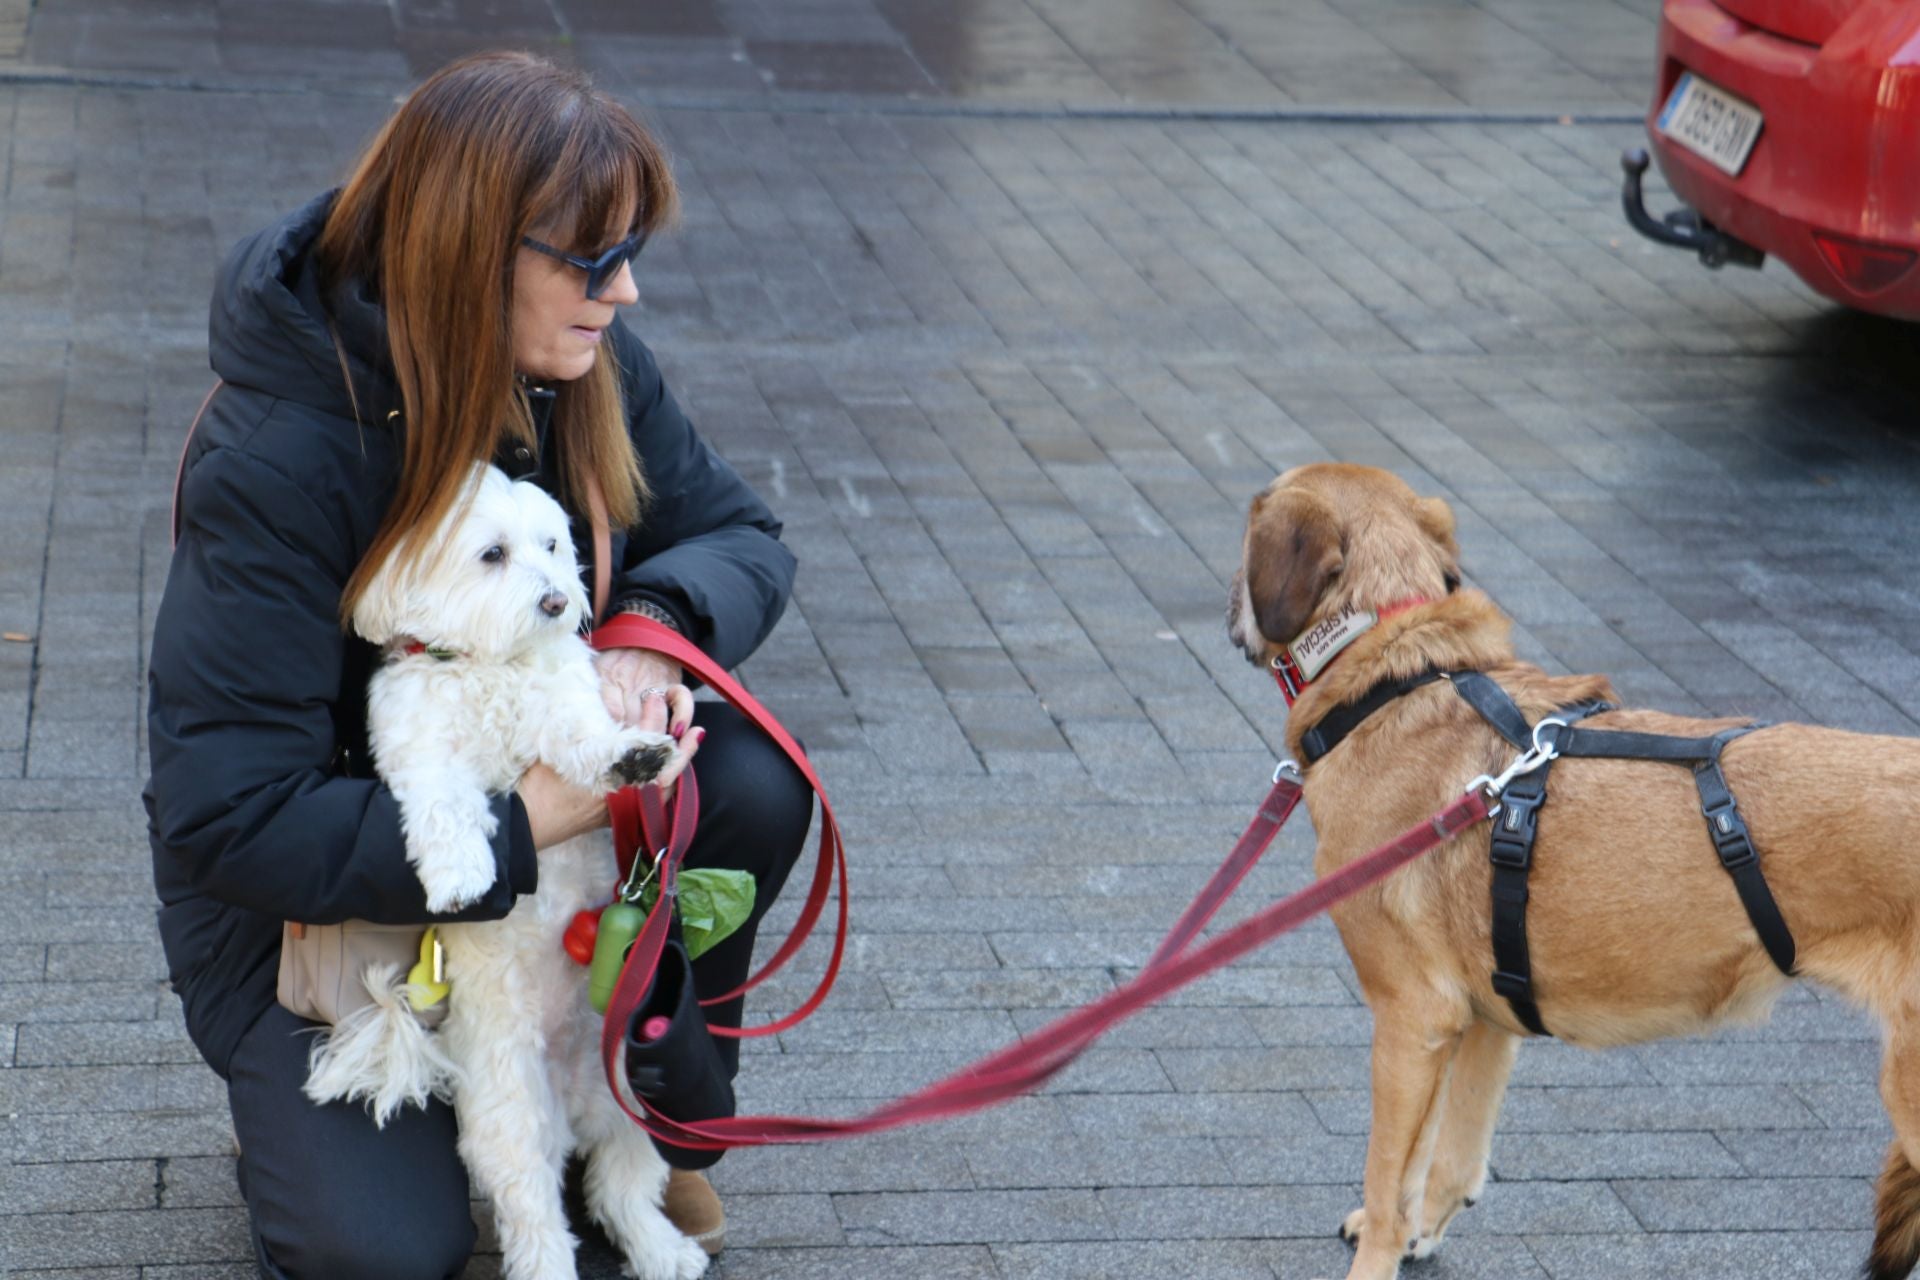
x=261 y=807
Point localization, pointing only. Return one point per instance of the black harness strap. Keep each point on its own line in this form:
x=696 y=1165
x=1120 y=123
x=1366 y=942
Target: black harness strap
x=1737 y=854
x=1724 y=824
x=1494 y=706
x=1614 y=744
x=1511 y=847
x=1344 y=719
x=1511 y=852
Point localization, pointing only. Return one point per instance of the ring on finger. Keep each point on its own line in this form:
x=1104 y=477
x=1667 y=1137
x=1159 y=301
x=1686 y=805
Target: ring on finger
x=653 y=691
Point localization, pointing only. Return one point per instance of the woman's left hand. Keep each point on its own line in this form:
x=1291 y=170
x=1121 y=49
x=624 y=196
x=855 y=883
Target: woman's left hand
x=644 y=690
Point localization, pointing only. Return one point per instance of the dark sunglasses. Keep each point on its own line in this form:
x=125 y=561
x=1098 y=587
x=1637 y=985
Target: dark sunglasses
x=601 y=270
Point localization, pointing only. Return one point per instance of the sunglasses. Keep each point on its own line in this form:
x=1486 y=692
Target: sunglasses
x=601 y=270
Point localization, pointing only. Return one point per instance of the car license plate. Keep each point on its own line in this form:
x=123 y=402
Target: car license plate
x=1711 y=122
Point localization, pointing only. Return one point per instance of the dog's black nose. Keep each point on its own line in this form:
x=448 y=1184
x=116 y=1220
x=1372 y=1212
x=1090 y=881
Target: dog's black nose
x=553 y=604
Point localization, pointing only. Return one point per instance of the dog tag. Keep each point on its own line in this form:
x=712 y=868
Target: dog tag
x=427 y=980
x=1315 y=648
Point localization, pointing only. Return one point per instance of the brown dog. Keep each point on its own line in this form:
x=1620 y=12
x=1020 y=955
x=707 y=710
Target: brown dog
x=1636 y=930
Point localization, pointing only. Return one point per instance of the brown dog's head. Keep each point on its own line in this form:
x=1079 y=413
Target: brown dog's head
x=1328 y=536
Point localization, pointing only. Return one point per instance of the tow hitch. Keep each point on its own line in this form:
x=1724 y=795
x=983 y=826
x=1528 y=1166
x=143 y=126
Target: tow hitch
x=1683 y=227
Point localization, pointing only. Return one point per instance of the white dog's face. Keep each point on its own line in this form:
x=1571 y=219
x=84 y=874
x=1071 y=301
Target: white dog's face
x=498 y=574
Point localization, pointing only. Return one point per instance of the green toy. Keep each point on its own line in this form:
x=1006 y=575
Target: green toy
x=619 y=926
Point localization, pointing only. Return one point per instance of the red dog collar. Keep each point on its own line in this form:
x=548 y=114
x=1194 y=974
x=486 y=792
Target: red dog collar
x=1313 y=650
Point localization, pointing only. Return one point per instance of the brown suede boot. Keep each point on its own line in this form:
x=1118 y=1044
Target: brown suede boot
x=693 y=1208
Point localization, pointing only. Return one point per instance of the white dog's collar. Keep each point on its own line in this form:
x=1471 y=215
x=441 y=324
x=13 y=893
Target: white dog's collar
x=414 y=647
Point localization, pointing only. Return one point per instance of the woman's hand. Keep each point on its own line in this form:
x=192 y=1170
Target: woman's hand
x=557 y=811
x=643 y=690
x=630 y=679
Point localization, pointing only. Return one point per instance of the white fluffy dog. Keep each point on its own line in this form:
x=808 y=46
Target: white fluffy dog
x=485 y=674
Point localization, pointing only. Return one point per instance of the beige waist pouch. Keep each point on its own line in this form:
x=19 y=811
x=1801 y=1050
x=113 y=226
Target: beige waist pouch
x=322 y=966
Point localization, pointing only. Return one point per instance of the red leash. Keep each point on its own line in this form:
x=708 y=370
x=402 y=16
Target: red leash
x=631 y=631
x=1019 y=1068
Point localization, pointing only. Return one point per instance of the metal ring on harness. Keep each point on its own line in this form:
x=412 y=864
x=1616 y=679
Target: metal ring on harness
x=1552 y=749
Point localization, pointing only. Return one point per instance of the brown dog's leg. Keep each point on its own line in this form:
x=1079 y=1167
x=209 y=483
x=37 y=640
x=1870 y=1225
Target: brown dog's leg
x=1475 y=1087
x=1410 y=1067
x=1896 y=1235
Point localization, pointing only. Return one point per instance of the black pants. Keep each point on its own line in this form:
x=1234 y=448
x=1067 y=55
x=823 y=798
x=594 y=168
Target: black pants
x=333 y=1198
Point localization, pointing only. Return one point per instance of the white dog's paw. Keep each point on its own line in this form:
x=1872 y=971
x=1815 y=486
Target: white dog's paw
x=625 y=757
x=645 y=759
x=456 y=876
x=539 y=1255
x=669 y=1256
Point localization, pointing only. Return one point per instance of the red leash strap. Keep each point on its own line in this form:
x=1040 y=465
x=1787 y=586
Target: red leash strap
x=1023 y=1066
x=1251 y=847
x=631 y=631
x=640 y=813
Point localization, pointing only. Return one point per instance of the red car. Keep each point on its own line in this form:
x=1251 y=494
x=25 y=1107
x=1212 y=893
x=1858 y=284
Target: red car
x=1792 y=128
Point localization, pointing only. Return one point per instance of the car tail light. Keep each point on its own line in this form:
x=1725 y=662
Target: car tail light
x=1863 y=266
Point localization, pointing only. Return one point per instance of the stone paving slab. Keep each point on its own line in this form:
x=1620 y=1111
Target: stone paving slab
x=1011 y=382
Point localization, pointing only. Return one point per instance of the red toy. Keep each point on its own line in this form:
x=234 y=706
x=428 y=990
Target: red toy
x=1792 y=128
x=581 y=935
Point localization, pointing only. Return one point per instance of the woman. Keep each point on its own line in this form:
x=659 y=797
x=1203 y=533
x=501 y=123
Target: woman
x=453 y=303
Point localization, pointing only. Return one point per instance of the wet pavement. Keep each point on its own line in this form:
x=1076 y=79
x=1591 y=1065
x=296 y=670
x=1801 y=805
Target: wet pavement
x=1501 y=55
x=1010 y=379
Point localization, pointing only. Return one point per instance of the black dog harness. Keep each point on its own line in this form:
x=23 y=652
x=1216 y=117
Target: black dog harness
x=1517 y=821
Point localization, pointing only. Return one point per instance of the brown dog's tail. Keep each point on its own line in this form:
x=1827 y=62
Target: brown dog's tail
x=1896 y=1228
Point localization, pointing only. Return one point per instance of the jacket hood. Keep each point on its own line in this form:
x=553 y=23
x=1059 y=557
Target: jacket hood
x=270 y=328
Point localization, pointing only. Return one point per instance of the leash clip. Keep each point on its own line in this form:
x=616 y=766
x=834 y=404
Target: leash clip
x=1526 y=762
x=1290 y=770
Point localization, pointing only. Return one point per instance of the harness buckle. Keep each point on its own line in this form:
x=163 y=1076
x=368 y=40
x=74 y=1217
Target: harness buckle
x=1512 y=986
x=1510 y=854
x=1512 y=843
x=1730 y=838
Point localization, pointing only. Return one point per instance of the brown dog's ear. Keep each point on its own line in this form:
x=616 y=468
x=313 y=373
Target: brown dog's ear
x=1436 y=521
x=1293 y=552
x=1436 y=517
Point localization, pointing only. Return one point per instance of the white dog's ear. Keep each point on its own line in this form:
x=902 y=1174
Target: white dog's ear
x=1294 y=550
x=377 y=613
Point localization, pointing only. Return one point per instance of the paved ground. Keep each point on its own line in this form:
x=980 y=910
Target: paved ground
x=1011 y=381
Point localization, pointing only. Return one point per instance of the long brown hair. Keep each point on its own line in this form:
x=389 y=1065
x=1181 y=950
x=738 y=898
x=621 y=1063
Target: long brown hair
x=491 y=148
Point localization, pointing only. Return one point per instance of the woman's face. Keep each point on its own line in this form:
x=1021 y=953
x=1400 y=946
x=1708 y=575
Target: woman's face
x=557 y=329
